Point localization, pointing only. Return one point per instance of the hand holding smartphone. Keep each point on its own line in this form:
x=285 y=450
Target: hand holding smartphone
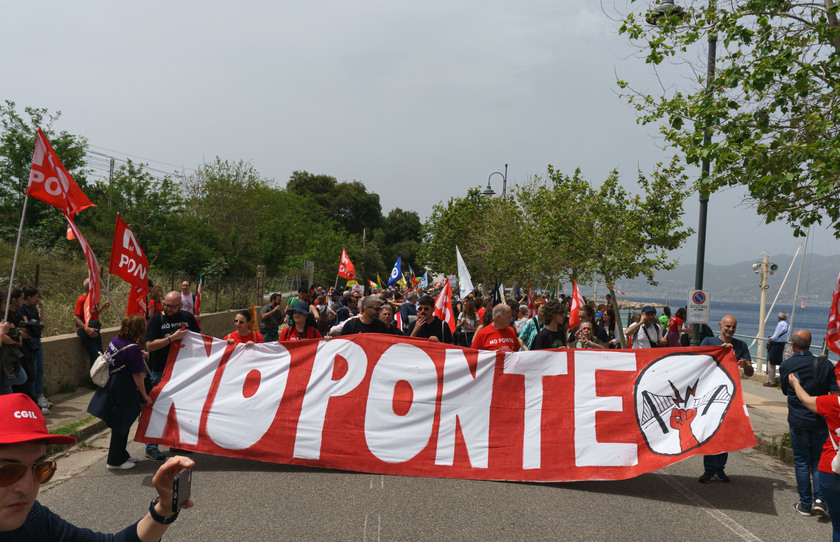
x=181 y=489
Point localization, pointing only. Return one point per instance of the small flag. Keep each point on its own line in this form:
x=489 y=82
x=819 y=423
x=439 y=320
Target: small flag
x=345 y=267
x=443 y=306
x=577 y=303
x=396 y=272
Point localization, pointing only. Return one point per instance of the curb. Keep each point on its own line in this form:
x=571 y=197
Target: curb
x=81 y=434
x=777 y=447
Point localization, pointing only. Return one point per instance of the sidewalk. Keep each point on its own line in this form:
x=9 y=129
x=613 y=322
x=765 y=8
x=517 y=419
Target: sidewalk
x=767 y=408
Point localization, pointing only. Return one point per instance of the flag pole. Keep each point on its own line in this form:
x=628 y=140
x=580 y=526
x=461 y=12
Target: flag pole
x=14 y=260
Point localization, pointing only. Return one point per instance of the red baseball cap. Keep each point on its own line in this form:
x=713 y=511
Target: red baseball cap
x=21 y=420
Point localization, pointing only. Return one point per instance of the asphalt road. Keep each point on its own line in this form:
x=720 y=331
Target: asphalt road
x=249 y=500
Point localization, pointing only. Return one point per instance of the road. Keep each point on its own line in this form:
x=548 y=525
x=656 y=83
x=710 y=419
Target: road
x=249 y=500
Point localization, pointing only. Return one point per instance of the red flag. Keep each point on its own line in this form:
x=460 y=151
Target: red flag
x=50 y=182
x=532 y=311
x=93 y=270
x=128 y=261
x=577 y=303
x=198 y=299
x=345 y=267
x=833 y=335
x=443 y=306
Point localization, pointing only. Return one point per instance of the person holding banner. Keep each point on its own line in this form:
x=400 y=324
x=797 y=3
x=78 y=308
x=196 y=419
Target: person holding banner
x=243 y=334
x=498 y=335
x=165 y=328
x=713 y=465
x=24 y=467
x=89 y=335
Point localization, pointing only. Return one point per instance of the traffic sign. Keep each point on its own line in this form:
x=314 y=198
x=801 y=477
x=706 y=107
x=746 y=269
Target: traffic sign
x=699 y=308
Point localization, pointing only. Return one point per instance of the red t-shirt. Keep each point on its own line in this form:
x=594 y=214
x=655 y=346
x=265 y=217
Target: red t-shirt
x=675 y=324
x=80 y=309
x=153 y=308
x=291 y=334
x=490 y=338
x=254 y=336
x=828 y=406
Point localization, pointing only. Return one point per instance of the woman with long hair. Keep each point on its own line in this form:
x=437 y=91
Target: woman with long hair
x=467 y=322
x=119 y=402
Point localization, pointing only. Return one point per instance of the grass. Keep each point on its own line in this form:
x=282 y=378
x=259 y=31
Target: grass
x=61 y=270
x=72 y=428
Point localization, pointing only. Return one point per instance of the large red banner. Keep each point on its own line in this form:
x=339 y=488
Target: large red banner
x=383 y=404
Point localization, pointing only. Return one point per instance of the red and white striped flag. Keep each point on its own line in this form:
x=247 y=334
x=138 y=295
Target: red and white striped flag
x=833 y=335
x=577 y=303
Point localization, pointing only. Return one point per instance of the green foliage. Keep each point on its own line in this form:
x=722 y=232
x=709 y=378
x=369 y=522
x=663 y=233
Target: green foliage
x=43 y=226
x=488 y=232
x=772 y=106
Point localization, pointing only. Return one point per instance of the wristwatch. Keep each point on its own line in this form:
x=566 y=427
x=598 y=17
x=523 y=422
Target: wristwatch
x=157 y=517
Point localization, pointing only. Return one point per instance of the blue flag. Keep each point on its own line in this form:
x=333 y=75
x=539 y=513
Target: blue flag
x=396 y=272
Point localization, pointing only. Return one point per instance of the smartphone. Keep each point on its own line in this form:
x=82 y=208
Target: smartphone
x=181 y=486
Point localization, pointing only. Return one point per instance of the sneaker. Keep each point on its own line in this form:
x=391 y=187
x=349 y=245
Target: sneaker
x=706 y=478
x=45 y=411
x=722 y=476
x=133 y=459
x=155 y=454
x=801 y=509
x=129 y=465
x=769 y=384
x=819 y=508
x=43 y=402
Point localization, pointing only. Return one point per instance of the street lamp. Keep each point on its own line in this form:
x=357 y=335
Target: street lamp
x=667 y=7
x=488 y=192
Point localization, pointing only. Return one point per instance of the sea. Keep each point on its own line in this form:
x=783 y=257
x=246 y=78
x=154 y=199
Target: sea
x=812 y=318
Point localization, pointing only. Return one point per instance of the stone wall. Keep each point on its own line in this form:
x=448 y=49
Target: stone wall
x=66 y=363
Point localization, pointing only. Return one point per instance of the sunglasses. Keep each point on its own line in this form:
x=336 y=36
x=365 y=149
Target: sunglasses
x=12 y=472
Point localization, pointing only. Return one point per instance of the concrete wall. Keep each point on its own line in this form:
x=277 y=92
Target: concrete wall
x=66 y=363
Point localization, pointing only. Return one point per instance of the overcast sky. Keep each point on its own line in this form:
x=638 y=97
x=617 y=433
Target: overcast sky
x=419 y=101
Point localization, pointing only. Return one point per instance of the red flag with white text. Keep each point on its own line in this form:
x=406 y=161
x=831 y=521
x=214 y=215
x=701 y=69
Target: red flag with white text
x=443 y=306
x=577 y=303
x=345 y=267
x=833 y=334
x=94 y=271
x=128 y=261
x=50 y=182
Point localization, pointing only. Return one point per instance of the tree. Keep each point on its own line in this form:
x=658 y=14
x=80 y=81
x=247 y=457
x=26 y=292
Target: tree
x=606 y=233
x=488 y=231
x=773 y=105
x=17 y=144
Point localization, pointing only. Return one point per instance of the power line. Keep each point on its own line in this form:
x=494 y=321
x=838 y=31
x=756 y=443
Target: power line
x=182 y=167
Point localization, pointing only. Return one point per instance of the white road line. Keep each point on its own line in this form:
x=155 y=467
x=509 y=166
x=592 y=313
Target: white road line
x=707 y=507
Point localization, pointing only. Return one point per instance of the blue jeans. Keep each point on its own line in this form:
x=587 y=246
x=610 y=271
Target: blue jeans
x=715 y=463
x=19 y=379
x=807 y=445
x=154 y=379
x=39 y=367
x=830 y=486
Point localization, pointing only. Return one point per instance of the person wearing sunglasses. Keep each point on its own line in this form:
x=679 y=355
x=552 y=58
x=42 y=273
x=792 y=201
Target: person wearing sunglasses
x=243 y=334
x=428 y=326
x=24 y=467
x=163 y=329
x=368 y=320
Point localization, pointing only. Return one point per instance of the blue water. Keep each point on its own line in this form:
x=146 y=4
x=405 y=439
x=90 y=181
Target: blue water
x=813 y=318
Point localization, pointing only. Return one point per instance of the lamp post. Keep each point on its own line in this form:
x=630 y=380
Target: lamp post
x=489 y=191
x=763 y=268
x=667 y=8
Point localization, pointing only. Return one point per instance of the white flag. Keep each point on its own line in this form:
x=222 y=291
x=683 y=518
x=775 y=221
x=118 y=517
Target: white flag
x=463 y=275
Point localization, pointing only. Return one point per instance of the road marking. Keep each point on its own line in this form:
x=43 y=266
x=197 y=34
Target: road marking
x=378 y=516
x=707 y=507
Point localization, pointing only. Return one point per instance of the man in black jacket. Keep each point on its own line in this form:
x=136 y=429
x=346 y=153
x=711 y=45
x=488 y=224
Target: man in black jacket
x=808 y=431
